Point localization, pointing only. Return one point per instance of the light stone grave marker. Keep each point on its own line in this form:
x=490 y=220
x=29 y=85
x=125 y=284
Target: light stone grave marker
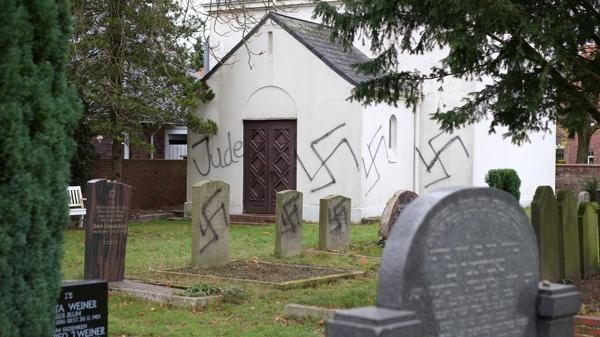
x=583 y=196
x=588 y=234
x=544 y=218
x=288 y=223
x=334 y=222
x=393 y=208
x=210 y=224
x=464 y=265
x=569 y=236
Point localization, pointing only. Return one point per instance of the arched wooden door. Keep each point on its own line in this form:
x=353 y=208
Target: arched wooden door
x=269 y=163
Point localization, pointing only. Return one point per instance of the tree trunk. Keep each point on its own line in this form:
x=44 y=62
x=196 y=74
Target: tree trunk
x=583 y=144
x=117 y=160
x=114 y=31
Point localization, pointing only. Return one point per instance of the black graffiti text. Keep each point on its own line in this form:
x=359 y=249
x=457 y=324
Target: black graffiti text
x=219 y=159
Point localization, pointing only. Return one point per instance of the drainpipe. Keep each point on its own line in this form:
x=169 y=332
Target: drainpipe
x=415 y=144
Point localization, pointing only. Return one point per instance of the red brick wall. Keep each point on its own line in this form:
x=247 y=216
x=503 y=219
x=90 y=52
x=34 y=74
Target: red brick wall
x=587 y=326
x=571 y=148
x=156 y=183
x=574 y=177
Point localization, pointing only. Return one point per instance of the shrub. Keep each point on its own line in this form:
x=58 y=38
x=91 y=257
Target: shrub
x=234 y=295
x=38 y=112
x=506 y=180
x=201 y=289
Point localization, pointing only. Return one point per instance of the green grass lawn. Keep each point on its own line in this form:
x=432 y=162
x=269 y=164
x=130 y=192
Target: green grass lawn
x=167 y=244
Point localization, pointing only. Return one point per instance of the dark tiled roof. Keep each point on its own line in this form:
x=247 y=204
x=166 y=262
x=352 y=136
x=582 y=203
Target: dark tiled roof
x=316 y=38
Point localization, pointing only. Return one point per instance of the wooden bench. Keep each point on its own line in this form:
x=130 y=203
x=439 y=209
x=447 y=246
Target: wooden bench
x=76 y=205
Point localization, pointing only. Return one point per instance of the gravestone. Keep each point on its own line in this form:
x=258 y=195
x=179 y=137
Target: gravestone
x=393 y=208
x=583 y=196
x=334 y=222
x=588 y=234
x=544 y=218
x=465 y=264
x=106 y=229
x=288 y=223
x=210 y=224
x=82 y=309
x=569 y=236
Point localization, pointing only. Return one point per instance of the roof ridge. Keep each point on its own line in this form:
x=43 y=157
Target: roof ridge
x=298 y=19
x=326 y=51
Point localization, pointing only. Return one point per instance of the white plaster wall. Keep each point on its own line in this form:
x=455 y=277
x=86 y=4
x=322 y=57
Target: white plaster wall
x=446 y=160
x=325 y=120
x=229 y=28
x=385 y=170
x=534 y=162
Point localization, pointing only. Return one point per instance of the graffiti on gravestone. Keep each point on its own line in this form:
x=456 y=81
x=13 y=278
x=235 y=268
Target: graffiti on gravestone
x=291 y=215
x=337 y=218
x=210 y=223
x=288 y=223
x=207 y=226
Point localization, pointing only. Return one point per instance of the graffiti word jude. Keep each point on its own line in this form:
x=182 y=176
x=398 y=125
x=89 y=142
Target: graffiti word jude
x=221 y=159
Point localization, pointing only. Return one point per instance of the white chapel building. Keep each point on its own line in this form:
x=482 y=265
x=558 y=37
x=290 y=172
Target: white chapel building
x=285 y=122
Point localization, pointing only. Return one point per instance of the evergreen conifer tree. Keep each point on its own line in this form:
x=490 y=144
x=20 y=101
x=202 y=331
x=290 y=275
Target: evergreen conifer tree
x=38 y=112
x=131 y=63
x=541 y=57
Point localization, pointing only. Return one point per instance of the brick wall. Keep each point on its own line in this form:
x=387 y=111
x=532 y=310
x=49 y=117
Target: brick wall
x=574 y=177
x=571 y=148
x=587 y=326
x=156 y=183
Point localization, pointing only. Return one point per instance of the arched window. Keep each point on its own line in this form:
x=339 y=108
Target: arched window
x=393 y=134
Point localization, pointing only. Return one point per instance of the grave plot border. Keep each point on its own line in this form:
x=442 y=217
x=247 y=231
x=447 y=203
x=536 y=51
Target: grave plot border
x=302 y=283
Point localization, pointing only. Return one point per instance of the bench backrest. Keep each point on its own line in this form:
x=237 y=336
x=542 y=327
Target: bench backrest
x=75 y=196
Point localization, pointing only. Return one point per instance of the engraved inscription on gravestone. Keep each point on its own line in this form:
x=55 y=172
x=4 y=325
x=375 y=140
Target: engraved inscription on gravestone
x=82 y=309
x=106 y=229
x=468 y=266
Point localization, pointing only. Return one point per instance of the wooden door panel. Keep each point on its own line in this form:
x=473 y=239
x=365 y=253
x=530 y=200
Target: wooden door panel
x=256 y=168
x=283 y=159
x=269 y=163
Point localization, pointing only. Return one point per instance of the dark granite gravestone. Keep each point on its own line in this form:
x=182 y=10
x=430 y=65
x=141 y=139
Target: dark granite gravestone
x=464 y=265
x=106 y=229
x=82 y=309
x=393 y=209
x=544 y=218
x=588 y=234
x=288 y=223
x=569 y=236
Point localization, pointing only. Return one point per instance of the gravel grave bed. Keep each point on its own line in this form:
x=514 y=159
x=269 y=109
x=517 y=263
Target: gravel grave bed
x=264 y=271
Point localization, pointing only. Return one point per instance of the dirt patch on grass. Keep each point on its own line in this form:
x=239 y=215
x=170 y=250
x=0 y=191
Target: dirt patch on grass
x=590 y=294
x=264 y=271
